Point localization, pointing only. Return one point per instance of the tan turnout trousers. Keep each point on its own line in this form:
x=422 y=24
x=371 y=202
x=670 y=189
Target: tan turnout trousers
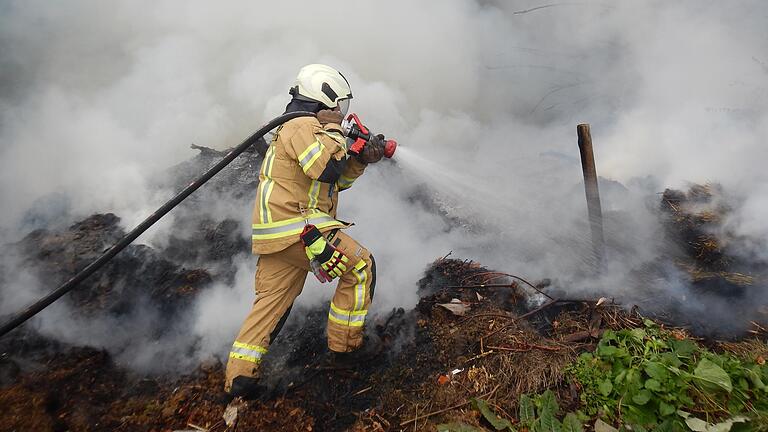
x=280 y=279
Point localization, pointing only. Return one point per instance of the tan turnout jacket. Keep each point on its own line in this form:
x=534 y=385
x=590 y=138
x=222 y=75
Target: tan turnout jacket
x=289 y=195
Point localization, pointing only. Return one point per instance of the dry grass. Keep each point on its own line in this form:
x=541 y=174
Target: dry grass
x=708 y=217
x=698 y=274
x=706 y=245
x=513 y=358
x=748 y=349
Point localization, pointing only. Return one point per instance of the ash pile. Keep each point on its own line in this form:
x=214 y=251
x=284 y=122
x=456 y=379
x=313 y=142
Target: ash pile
x=145 y=290
x=705 y=278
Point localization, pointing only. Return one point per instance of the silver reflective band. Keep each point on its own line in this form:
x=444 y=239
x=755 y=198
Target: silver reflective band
x=266 y=187
x=345 y=317
x=264 y=200
x=309 y=155
x=314 y=192
x=359 y=289
x=247 y=352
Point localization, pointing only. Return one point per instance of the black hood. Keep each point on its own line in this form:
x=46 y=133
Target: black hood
x=304 y=105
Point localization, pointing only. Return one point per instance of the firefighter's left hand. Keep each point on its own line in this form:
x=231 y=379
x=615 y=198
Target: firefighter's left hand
x=373 y=150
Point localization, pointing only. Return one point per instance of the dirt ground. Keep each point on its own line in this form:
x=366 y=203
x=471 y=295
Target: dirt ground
x=427 y=359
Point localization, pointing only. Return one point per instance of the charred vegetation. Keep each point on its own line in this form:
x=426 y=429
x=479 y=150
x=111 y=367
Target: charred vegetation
x=475 y=332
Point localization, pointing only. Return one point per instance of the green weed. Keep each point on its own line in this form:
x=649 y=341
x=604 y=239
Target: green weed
x=646 y=378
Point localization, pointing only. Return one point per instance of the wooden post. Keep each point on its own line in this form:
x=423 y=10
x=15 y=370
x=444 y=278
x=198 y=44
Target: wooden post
x=594 y=209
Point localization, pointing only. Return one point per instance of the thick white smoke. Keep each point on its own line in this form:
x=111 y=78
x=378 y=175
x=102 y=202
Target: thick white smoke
x=96 y=98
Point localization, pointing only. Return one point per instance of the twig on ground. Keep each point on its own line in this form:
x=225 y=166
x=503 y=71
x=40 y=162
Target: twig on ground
x=523 y=316
x=485 y=277
x=480 y=286
x=434 y=413
x=537 y=289
x=524 y=348
x=510 y=285
x=581 y=335
x=479 y=356
x=759 y=327
x=363 y=391
x=485 y=315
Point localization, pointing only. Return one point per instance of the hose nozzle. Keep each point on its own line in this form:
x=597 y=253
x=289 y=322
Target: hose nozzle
x=389 y=148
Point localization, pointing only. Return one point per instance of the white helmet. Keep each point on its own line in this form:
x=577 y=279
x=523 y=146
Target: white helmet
x=323 y=84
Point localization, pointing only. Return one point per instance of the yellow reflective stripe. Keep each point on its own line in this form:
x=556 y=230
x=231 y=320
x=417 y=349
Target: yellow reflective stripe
x=293 y=226
x=266 y=186
x=310 y=155
x=345 y=182
x=251 y=353
x=314 y=193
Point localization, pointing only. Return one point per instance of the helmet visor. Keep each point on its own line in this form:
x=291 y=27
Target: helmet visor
x=344 y=106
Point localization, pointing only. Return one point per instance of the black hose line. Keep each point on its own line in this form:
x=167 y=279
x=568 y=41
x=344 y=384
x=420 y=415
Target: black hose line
x=148 y=222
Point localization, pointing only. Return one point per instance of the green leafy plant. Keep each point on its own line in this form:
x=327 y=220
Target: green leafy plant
x=497 y=422
x=646 y=378
x=456 y=427
x=539 y=414
x=536 y=414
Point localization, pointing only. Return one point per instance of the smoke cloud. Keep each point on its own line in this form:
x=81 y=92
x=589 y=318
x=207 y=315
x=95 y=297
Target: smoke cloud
x=96 y=99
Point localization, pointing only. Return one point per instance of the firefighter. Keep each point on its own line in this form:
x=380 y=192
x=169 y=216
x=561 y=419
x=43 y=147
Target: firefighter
x=304 y=169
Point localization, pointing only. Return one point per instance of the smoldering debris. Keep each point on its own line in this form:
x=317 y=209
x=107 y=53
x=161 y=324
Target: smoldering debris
x=706 y=250
x=145 y=298
x=300 y=387
x=700 y=278
x=441 y=362
x=117 y=289
x=411 y=354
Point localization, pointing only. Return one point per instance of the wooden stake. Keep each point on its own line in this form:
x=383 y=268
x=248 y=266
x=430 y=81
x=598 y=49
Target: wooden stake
x=594 y=209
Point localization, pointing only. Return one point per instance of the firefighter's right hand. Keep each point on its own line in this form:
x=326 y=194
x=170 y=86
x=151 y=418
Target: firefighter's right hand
x=373 y=150
x=331 y=260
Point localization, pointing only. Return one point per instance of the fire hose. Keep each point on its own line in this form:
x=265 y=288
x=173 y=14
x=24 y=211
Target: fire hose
x=110 y=253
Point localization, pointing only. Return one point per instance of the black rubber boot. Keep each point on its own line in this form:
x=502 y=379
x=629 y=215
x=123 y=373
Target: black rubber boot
x=372 y=348
x=246 y=387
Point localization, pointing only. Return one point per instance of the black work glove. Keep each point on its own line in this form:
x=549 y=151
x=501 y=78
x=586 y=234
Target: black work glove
x=373 y=150
x=329 y=116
